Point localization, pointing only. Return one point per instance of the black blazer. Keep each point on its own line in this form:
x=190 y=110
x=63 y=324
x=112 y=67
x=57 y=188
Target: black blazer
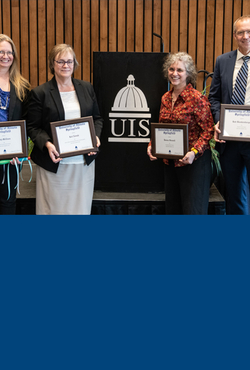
x=45 y=106
x=17 y=109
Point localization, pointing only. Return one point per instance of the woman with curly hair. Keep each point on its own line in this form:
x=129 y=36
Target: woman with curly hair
x=187 y=180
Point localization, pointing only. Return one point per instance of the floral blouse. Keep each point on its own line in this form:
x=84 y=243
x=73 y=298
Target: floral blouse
x=193 y=108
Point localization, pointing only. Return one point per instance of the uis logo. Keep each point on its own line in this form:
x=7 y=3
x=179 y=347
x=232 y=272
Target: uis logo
x=130 y=115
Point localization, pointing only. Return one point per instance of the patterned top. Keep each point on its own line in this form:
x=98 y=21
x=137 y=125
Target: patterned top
x=4 y=105
x=193 y=108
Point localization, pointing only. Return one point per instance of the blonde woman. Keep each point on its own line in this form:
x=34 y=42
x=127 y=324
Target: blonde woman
x=13 y=101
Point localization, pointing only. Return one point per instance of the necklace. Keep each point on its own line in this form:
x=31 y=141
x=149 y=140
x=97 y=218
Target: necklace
x=2 y=106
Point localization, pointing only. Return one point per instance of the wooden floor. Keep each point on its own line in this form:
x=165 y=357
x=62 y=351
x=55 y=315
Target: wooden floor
x=110 y=202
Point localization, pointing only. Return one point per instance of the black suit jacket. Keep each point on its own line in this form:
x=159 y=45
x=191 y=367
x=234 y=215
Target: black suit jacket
x=45 y=106
x=17 y=109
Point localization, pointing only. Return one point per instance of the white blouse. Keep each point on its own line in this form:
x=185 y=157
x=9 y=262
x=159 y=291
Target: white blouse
x=72 y=110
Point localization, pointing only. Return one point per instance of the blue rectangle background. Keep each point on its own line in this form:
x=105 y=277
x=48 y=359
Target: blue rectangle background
x=124 y=292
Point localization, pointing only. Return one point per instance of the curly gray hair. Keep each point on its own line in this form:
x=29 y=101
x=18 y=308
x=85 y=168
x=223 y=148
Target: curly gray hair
x=188 y=62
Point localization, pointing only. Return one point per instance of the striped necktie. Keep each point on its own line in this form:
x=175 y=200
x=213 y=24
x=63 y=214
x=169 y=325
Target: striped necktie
x=239 y=92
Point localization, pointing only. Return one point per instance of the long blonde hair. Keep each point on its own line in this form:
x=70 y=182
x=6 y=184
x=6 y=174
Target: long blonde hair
x=20 y=83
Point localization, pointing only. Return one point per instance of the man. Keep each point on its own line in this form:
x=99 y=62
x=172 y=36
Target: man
x=234 y=155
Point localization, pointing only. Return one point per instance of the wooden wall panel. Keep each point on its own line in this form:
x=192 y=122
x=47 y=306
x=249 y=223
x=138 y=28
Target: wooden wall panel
x=15 y=16
x=130 y=42
x=183 y=25
x=218 y=40
x=95 y=25
x=121 y=27
x=112 y=25
x=246 y=7
x=139 y=12
x=24 y=52
x=192 y=28
x=201 y=42
x=51 y=30
x=77 y=34
x=33 y=43
x=174 y=31
x=237 y=12
x=103 y=25
x=210 y=26
x=59 y=21
x=228 y=26
x=148 y=26
x=68 y=22
x=203 y=28
x=85 y=37
x=156 y=25
x=165 y=17
x=41 y=49
x=6 y=20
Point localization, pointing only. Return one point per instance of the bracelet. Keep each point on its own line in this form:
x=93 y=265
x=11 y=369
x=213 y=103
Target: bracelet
x=195 y=151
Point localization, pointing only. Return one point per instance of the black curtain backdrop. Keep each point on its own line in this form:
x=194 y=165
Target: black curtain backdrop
x=136 y=81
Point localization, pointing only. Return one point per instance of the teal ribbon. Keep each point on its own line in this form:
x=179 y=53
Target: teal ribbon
x=4 y=162
x=21 y=166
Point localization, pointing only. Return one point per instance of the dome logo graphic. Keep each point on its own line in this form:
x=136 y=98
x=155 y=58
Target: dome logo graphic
x=130 y=115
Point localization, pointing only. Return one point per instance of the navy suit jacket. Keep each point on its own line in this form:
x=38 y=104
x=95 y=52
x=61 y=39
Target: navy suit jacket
x=222 y=83
x=45 y=106
x=221 y=89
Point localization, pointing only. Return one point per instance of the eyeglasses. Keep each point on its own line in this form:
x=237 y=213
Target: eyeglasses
x=9 y=53
x=61 y=63
x=241 y=33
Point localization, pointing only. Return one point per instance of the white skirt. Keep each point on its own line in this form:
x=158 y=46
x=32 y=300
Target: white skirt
x=67 y=192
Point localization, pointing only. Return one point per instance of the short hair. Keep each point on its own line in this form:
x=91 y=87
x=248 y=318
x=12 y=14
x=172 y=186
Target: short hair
x=20 y=83
x=240 y=19
x=188 y=62
x=58 y=50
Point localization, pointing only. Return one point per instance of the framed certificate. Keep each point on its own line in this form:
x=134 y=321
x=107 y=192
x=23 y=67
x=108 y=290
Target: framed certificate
x=169 y=140
x=13 y=140
x=235 y=122
x=74 y=136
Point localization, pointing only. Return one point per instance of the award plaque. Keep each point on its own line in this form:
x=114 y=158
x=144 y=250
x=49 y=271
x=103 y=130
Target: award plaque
x=169 y=140
x=74 y=136
x=13 y=140
x=234 y=122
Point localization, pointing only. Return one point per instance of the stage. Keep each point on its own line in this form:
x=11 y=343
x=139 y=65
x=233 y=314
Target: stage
x=111 y=203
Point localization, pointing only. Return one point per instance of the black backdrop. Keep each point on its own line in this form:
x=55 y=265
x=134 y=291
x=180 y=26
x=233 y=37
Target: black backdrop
x=124 y=166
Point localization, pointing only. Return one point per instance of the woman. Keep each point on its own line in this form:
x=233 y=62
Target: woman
x=63 y=186
x=13 y=98
x=187 y=181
